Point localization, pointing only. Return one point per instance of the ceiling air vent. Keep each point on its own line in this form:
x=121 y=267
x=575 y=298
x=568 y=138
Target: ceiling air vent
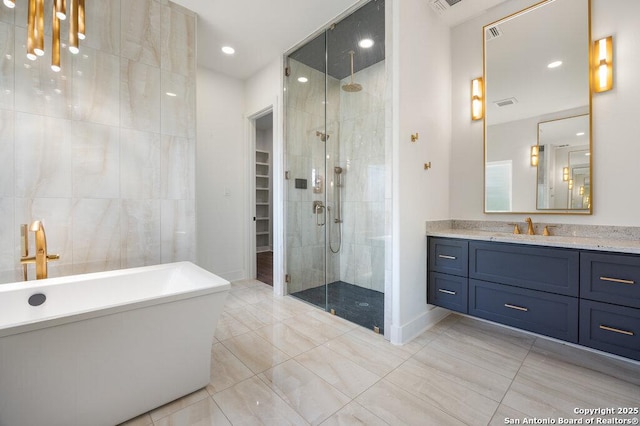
x=506 y=102
x=492 y=32
x=441 y=6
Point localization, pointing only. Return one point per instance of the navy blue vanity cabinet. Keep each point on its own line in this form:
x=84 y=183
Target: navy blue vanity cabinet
x=610 y=277
x=447 y=277
x=545 y=313
x=448 y=291
x=610 y=328
x=554 y=270
x=610 y=303
x=448 y=256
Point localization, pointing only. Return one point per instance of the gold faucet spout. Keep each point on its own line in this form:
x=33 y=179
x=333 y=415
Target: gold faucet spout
x=530 y=229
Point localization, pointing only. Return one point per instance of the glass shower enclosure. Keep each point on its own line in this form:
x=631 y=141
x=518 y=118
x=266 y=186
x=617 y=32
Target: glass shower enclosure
x=337 y=197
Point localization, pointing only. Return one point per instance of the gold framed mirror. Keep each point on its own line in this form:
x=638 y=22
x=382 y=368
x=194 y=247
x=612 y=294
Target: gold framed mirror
x=536 y=82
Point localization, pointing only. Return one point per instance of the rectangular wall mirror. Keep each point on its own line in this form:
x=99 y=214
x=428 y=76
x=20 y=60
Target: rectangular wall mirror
x=538 y=104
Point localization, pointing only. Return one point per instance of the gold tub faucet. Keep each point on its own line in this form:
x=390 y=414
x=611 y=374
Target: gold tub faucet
x=41 y=257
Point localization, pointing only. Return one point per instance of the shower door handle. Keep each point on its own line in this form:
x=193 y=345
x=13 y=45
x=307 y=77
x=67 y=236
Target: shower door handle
x=318 y=209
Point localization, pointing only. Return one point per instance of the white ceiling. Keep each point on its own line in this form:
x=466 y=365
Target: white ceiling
x=261 y=30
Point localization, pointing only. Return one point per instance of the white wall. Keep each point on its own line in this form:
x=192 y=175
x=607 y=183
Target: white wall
x=615 y=123
x=221 y=178
x=422 y=103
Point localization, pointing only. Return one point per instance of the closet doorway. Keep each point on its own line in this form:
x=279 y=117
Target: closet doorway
x=264 y=198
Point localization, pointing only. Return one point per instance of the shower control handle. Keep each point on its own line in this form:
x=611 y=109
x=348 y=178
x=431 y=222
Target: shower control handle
x=318 y=209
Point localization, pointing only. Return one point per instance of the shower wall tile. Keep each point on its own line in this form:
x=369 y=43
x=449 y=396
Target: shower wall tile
x=139 y=96
x=178 y=230
x=39 y=90
x=178 y=36
x=7 y=63
x=140 y=231
x=178 y=168
x=42 y=156
x=103 y=26
x=7 y=180
x=85 y=149
x=96 y=160
x=96 y=87
x=363 y=267
x=140 y=167
x=140 y=26
x=177 y=112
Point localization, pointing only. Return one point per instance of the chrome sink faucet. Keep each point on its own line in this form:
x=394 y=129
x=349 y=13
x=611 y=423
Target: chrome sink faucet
x=530 y=228
x=41 y=257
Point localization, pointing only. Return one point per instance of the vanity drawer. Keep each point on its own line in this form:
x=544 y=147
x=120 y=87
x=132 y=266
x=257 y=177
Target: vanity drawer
x=544 y=313
x=554 y=270
x=448 y=291
x=610 y=328
x=613 y=278
x=448 y=255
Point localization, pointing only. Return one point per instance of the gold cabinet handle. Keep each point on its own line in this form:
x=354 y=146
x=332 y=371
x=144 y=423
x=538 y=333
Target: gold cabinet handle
x=617 y=330
x=617 y=280
x=444 y=256
x=517 y=308
x=447 y=291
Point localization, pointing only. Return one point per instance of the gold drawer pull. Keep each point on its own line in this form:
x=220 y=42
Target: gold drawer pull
x=444 y=256
x=447 y=291
x=617 y=330
x=517 y=308
x=617 y=280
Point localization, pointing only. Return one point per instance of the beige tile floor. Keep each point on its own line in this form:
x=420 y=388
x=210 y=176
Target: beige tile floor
x=279 y=361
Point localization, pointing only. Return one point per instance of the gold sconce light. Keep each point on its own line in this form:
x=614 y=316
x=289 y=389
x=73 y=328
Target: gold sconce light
x=62 y=9
x=570 y=184
x=477 y=97
x=603 y=64
x=534 y=155
x=582 y=190
x=565 y=174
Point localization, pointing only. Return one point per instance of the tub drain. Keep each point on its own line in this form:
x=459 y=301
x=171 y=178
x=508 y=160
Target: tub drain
x=37 y=299
x=362 y=304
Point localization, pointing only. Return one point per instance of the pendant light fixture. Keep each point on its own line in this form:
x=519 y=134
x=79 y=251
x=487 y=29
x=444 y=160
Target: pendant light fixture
x=73 y=9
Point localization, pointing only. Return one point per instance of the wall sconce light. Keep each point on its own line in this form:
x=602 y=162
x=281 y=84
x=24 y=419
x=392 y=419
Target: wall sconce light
x=565 y=174
x=582 y=190
x=62 y=9
x=477 y=95
x=570 y=184
x=534 y=155
x=603 y=64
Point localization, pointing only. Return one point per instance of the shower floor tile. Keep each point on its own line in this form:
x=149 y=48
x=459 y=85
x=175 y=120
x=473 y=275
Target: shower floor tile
x=359 y=305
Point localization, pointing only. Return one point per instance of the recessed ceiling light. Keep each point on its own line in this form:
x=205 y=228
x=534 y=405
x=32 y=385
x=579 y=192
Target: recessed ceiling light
x=365 y=43
x=554 y=64
x=580 y=134
x=303 y=79
x=171 y=94
x=228 y=50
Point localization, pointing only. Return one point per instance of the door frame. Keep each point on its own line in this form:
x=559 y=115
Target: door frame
x=277 y=196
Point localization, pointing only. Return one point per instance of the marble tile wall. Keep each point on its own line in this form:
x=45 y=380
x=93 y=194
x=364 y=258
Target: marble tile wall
x=363 y=157
x=99 y=152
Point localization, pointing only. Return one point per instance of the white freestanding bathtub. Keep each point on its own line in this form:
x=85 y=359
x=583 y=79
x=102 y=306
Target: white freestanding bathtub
x=107 y=346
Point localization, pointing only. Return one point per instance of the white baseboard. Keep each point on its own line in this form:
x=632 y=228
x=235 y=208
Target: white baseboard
x=405 y=333
x=233 y=275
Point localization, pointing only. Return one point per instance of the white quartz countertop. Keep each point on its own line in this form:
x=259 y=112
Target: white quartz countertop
x=582 y=243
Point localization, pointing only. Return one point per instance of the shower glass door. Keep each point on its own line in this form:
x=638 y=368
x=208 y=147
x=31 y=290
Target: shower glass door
x=337 y=204
x=306 y=185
